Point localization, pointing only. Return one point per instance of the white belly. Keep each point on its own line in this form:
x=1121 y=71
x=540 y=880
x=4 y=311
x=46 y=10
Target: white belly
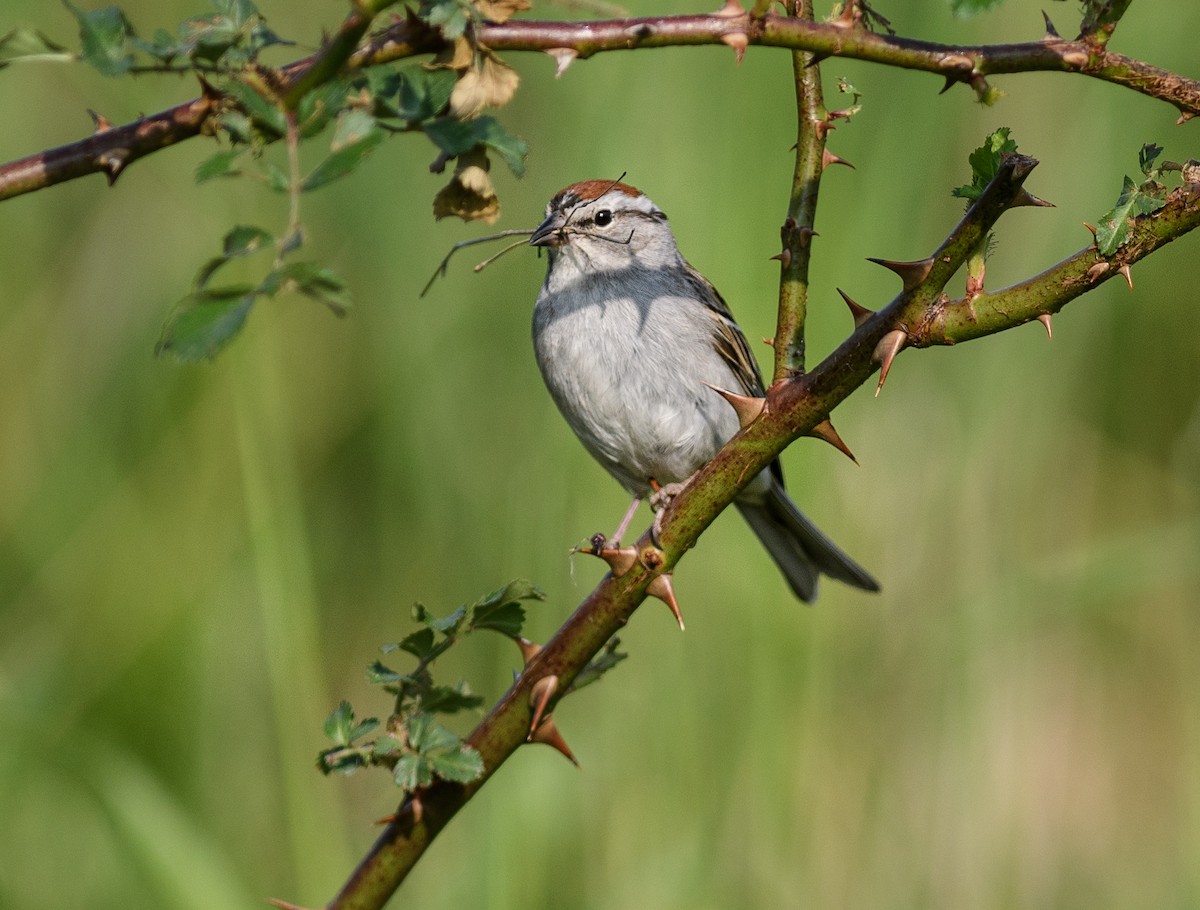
x=612 y=365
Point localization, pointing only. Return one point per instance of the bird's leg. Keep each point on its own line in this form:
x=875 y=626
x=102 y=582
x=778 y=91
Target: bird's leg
x=660 y=499
x=615 y=540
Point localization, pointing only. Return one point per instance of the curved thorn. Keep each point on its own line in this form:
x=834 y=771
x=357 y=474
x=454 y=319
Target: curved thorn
x=739 y=42
x=859 y=313
x=824 y=430
x=529 y=649
x=885 y=352
x=539 y=697
x=101 y=122
x=747 y=409
x=563 y=57
x=828 y=158
x=1024 y=197
x=1124 y=270
x=911 y=273
x=1051 y=31
x=1044 y=319
x=547 y=733
x=661 y=588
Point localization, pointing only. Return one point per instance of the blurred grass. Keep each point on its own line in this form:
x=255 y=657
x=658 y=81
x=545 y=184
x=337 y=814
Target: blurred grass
x=197 y=562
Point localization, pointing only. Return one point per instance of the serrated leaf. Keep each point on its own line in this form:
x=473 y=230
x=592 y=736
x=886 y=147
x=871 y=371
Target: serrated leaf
x=424 y=94
x=450 y=624
x=219 y=165
x=433 y=737
x=985 y=161
x=450 y=16
x=450 y=699
x=461 y=765
x=106 y=38
x=205 y=322
x=419 y=644
x=409 y=772
x=501 y=610
x=356 y=136
x=1134 y=200
x=1147 y=156
x=339 y=723
x=26 y=42
x=457 y=137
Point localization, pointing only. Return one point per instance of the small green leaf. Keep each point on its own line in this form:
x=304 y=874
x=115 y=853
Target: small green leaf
x=462 y=764
x=244 y=240
x=985 y=161
x=432 y=737
x=450 y=16
x=1147 y=156
x=356 y=136
x=1114 y=227
x=317 y=282
x=501 y=611
x=277 y=178
x=339 y=724
x=423 y=93
x=106 y=38
x=455 y=137
x=319 y=106
x=204 y=322
x=450 y=699
x=26 y=42
x=419 y=644
x=409 y=772
x=380 y=674
x=222 y=164
x=263 y=111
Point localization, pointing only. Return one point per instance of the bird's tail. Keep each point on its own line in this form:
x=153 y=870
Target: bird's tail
x=798 y=547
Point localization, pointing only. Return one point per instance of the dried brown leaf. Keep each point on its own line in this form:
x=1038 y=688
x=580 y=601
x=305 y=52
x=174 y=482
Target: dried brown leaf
x=469 y=195
x=501 y=10
x=490 y=83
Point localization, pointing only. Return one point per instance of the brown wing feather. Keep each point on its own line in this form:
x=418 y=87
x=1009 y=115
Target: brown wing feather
x=728 y=339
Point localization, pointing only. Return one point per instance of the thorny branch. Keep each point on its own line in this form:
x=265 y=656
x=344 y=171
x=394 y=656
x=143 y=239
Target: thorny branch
x=110 y=150
x=923 y=315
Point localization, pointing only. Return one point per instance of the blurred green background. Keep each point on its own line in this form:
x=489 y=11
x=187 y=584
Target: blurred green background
x=197 y=562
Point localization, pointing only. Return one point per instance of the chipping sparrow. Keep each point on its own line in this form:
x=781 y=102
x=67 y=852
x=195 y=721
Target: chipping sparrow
x=629 y=339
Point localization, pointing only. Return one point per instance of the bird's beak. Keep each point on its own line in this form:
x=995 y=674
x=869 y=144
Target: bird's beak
x=550 y=232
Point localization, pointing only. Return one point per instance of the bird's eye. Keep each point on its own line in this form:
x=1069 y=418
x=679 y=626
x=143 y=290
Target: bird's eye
x=603 y=218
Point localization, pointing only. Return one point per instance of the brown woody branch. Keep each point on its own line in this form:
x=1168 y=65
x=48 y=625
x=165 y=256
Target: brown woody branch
x=111 y=150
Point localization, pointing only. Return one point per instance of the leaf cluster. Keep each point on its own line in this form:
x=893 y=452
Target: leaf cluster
x=229 y=37
x=1136 y=199
x=413 y=744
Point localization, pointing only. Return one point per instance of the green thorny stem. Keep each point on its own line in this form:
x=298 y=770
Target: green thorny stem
x=812 y=125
